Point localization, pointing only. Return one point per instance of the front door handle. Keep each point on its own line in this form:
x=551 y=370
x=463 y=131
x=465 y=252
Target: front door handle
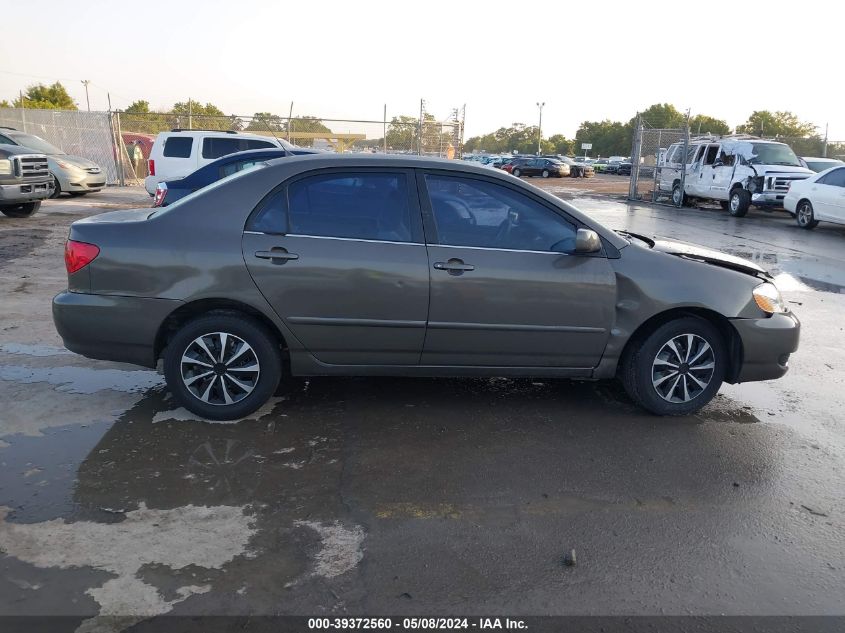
x=277 y=255
x=454 y=266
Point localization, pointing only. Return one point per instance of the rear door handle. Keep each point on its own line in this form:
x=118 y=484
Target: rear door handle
x=454 y=266
x=276 y=255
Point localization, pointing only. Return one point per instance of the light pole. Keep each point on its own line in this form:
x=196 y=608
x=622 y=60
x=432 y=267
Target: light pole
x=85 y=82
x=540 y=127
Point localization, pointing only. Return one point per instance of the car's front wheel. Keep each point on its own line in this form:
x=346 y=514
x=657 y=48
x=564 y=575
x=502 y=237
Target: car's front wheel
x=677 y=368
x=22 y=210
x=739 y=202
x=222 y=366
x=805 y=216
x=516 y=173
x=546 y=173
x=57 y=188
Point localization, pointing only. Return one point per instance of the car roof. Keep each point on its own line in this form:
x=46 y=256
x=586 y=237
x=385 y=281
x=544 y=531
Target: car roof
x=18 y=149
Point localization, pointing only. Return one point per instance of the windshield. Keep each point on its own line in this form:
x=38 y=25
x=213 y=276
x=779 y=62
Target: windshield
x=772 y=154
x=36 y=143
x=206 y=189
x=821 y=165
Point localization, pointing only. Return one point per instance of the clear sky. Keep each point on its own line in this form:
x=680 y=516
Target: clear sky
x=347 y=58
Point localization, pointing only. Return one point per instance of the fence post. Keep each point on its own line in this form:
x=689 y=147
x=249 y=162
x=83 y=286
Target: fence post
x=684 y=161
x=420 y=129
x=384 y=129
x=117 y=155
x=635 y=159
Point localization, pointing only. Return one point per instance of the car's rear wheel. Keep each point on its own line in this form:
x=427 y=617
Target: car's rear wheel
x=222 y=366
x=677 y=368
x=546 y=173
x=57 y=188
x=679 y=198
x=739 y=202
x=805 y=216
x=517 y=173
x=21 y=210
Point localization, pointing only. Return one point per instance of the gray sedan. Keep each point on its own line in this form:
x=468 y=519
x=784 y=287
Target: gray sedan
x=375 y=265
x=73 y=175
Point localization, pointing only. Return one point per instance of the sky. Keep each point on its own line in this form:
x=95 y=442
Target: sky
x=348 y=58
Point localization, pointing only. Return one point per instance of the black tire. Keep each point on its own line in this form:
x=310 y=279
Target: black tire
x=517 y=172
x=57 y=188
x=805 y=217
x=546 y=173
x=76 y=194
x=643 y=359
x=679 y=198
x=739 y=202
x=264 y=349
x=21 y=210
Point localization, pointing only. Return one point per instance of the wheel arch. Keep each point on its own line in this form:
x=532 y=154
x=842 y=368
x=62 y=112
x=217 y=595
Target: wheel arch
x=731 y=338
x=202 y=307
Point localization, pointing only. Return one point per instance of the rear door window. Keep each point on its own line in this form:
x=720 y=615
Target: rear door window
x=215 y=147
x=371 y=205
x=239 y=165
x=178 y=146
x=836 y=178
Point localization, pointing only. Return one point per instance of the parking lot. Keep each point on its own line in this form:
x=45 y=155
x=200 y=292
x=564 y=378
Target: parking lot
x=424 y=496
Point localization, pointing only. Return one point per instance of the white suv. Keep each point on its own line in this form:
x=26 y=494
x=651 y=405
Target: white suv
x=736 y=171
x=177 y=153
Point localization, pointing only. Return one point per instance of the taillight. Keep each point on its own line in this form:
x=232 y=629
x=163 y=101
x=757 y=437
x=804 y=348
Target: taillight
x=79 y=254
x=160 y=195
x=151 y=164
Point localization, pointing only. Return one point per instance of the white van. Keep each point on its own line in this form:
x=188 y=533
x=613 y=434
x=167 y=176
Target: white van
x=736 y=171
x=177 y=153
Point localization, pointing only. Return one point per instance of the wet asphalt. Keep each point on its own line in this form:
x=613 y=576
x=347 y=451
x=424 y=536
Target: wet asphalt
x=424 y=496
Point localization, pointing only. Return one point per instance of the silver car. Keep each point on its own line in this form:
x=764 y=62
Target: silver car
x=73 y=175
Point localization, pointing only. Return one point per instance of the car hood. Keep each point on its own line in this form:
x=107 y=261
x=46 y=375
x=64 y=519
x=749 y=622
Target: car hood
x=710 y=256
x=76 y=161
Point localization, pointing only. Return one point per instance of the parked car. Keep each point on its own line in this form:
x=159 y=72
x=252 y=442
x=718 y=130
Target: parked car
x=624 y=168
x=820 y=164
x=544 y=167
x=73 y=175
x=24 y=181
x=169 y=191
x=576 y=169
x=177 y=153
x=509 y=165
x=600 y=165
x=820 y=197
x=319 y=265
x=735 y=171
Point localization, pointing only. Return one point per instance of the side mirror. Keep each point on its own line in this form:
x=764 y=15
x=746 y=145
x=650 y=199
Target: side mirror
x=587 y=241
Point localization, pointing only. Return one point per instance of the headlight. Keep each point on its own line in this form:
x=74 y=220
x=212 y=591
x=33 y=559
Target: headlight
x=768 y=299
x=5 y=167
x=70 y=166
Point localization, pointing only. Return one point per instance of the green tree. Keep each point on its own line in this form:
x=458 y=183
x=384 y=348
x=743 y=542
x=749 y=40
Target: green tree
x=403 y=133
x=559 y=144
x=309 y=124
x=660 y=115
x=267 y=121
x=52 y=97
x=703 y=124
x=776 y=124
x=609 y=138
x=195 y=115
x=140 y=107
x=5 y=104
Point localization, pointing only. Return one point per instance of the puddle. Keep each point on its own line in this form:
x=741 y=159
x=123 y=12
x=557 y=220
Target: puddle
x=83 y=379
x=34 y=350
x=38 y=474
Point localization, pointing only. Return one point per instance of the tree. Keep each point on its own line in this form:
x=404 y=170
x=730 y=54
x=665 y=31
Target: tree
x=609 y=138
x=5 y=104
x=776 y=124
x=559 y=144
x=267 y=121
x=308 y=124
x=140 y=107
x=660 y=115
x=703 y=124
x=402 y=133
x=52 y=97
x=195 y=115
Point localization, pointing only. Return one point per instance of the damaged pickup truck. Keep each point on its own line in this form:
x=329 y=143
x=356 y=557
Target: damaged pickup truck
x=736 y=171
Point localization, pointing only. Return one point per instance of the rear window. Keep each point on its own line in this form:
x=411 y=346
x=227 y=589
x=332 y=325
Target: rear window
x=214 y=147
x=178 y=146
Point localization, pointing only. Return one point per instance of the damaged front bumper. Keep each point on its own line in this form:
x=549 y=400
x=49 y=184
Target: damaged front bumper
x=768 y=199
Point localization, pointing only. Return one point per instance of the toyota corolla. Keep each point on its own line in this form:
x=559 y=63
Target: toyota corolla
x=379 y=265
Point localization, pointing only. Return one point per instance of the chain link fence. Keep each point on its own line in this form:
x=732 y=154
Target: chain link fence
x=120 y=142
x=87 y=134
x=651 y=178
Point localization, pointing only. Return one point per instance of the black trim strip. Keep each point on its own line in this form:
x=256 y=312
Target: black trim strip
x=513 y=327
x=301 y=320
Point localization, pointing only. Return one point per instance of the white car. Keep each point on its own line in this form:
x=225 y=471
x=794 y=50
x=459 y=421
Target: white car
x=177 y=153
x=818 y=198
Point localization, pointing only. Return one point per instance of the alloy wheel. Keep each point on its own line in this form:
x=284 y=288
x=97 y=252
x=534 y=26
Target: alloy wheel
x=220 y=368
x=683 y=368
x=804 y=214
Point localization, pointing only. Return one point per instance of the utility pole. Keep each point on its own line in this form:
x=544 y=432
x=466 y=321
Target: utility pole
x=540 y=127
x=290 y=120
x=824 y=147
x=85 y=83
